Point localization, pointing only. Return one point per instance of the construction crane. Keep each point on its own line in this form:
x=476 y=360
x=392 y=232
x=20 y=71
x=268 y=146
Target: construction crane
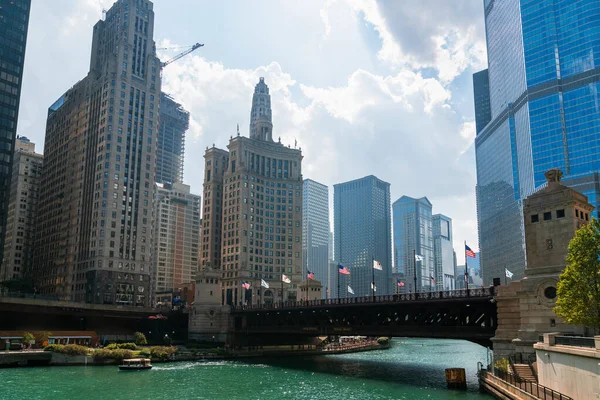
x=178 y=56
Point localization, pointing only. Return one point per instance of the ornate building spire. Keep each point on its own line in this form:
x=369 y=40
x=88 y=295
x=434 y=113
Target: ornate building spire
x=261 y=125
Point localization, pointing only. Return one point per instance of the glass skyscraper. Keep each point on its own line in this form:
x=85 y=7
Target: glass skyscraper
x=544 y=82
x=174 y=121
x=361 y=218
x=14 y=20
x=413 y=235
x=481 y=95
x=315 y=231
x=443 y=252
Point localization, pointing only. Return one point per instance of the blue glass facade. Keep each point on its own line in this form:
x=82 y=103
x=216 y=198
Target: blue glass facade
x=362 y=228
x=544 y=74
x=413 y=234
x=14 y=20
x=481 y=94
x=315 y=232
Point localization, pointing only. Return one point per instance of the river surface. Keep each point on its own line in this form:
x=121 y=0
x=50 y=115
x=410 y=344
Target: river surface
x=410 y=369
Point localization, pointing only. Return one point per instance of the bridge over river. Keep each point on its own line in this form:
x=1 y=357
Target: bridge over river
x=457 y=314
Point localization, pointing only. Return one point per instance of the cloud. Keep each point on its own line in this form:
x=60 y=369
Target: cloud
x=444 y=35
x=401 y=128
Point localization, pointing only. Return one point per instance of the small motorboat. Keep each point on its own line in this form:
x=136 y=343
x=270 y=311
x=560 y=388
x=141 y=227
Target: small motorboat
x=135 y=364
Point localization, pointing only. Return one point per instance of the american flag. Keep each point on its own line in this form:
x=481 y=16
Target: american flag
x=246 y=285
x=310 y=275
x=344 y=270
x=469 y=252
x=432 y=280
x=400 y=283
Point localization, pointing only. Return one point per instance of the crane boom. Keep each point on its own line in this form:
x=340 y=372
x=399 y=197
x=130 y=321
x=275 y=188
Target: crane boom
x=178 y=56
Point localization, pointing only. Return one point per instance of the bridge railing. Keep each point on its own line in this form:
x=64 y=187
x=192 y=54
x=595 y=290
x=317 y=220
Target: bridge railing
x=489 y=291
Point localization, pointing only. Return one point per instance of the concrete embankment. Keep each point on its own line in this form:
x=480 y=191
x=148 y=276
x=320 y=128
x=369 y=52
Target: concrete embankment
x=44 y=358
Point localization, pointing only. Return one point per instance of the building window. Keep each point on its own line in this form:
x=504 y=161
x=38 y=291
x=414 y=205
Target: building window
x=547 y=216
x=560 y=213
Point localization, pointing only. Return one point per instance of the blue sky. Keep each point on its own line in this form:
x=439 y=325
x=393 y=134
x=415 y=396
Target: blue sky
x=364 y=86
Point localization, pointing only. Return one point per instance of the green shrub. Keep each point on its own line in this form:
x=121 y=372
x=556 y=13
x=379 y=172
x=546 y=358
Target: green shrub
x=56 y=348
x=383 y=340
x=112 y=346
x=75 y=350
x=140 y=339
x=145 y=353
x=502 y=364
x=69 y=349
x=162 y=353
x=116 y=354
x=127 y=346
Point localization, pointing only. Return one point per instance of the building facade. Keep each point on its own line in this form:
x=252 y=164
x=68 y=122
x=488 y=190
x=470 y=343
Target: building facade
x=481 y=96
x=176 y=236
x=315 y=230
x=413 y=236
x=253 y=212
x=443 y=252
x=544 y=78
x=94 y=229
x=362 y=233
x=14 y=20
x=22 y=209
x=174 y=121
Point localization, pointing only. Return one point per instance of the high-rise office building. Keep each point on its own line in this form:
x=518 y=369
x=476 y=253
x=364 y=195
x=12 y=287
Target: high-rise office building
x=252 y=212
x=362 y=230
x=22 y=208
x=413 y=238
x=176 y=236
x=173 y=122
x=544 y=78
x=14 y=20
x=94 y=228
x=481 y=95
x=474 y=270
x=315 y=231
x=443 y=252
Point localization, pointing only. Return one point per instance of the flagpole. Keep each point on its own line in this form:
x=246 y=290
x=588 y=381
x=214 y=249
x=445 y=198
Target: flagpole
x=373 y=271
x=415 y=271
x=282 y=290
x=307 y=285
x=466 y=270
x=505 y=274
x=338 y=279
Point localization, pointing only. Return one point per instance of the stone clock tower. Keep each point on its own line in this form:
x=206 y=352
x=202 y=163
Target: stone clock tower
x=551 y=215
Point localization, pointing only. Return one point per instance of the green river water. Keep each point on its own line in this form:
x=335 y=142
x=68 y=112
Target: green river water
x=411 y=369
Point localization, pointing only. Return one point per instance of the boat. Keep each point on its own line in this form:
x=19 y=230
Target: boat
x=135 y=364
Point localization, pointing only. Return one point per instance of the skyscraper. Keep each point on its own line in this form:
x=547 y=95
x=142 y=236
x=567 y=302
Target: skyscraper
x=94 y=227
x=177 y=235
x=443 y=252
x=252 y=211
x=362 y=230
x=544 y=79
x=315 y=231
x=22 y=209
x=174 y=121
x=413 y=236
x=481 y=92
x=14 y=20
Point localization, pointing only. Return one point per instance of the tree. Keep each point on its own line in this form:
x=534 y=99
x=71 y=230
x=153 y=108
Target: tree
x=579 y=285
x=140 y=339
x=27 y=338
x=43 y=337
